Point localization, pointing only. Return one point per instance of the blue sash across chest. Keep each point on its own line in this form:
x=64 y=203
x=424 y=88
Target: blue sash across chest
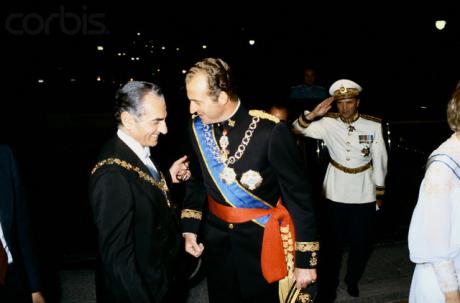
x=234 y=194
x=446 y=160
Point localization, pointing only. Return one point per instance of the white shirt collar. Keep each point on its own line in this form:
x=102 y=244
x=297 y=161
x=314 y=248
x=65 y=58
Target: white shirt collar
x=142 y=152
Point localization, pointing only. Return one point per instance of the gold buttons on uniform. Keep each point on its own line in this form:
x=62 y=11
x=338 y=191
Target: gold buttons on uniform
x=230 y=226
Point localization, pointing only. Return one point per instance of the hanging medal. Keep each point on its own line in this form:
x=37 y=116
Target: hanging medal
x=351 y=128
x=223 y=142
x=222 y=155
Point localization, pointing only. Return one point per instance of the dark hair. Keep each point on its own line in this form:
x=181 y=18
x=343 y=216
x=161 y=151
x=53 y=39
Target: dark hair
x=220 y=78
x=129 y=98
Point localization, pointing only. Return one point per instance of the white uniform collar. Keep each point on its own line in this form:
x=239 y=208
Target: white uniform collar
x=349 y=121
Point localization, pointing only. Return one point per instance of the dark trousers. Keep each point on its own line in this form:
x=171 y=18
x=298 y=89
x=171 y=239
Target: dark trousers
x=231 y=292
x=15 y=289
x=233 y=264
x=353 y=222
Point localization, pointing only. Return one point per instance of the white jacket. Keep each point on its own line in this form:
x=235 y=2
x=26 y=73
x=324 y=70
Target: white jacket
x=351 y=149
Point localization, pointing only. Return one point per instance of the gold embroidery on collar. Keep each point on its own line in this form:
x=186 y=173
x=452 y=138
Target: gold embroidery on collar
x=190 y=213
x=353 y=119
x=160 y=185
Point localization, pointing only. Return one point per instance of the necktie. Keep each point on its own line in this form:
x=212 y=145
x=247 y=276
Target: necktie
x=148 y=162
x=153 y=172
x=3 y=264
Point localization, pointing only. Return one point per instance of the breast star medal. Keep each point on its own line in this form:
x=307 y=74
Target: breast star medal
x=365 y=151
x=251 y=179
x=228 y=175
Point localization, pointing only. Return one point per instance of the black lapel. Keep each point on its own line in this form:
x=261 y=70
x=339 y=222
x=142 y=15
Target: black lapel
x=125 y=153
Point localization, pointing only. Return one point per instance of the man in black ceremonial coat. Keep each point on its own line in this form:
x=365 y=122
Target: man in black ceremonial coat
x=137 y=231
x=247 y=166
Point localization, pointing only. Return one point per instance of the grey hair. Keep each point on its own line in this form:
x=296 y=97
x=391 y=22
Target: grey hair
x=129 y=98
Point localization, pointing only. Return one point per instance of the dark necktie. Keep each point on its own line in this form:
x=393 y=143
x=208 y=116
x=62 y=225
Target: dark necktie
x=154 y=173
x=151 y=168
x=3 y=264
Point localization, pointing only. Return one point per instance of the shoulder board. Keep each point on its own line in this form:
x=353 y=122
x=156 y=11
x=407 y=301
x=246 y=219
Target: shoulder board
x=372 y=118
x=263 y=115
x=332 y=115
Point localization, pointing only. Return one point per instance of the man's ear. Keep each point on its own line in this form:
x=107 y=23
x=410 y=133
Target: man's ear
x=223 y=98
x=127 y=120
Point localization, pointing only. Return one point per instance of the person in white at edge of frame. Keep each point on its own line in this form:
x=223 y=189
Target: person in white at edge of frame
x=434 y=240
x=354 y=181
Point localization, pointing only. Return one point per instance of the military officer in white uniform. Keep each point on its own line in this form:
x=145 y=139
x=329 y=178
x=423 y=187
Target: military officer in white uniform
x=354 y=181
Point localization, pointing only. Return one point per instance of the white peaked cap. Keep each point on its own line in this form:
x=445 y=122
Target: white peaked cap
x=344 y=88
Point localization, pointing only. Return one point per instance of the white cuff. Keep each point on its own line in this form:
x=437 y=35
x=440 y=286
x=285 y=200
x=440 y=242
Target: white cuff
x=446 y=275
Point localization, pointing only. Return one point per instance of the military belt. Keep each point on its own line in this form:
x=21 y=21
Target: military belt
x=349 y=170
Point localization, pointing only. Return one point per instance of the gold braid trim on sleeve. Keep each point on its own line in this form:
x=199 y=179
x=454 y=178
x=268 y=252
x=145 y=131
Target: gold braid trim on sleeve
x=303 y=122
x=306 y=246
x=190 y=213
x=380 y=190
x=312 y=247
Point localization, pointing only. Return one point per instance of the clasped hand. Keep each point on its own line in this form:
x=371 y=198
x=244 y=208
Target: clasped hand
x=179 y=170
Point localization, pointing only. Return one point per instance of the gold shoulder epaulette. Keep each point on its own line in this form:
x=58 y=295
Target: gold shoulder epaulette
x=372 y=118
x=263 y=115
x=332 y=115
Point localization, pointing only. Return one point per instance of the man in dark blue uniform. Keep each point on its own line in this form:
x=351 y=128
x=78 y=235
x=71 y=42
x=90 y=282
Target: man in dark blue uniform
x=260 y=227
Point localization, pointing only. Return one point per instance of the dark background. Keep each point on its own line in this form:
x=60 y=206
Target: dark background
x=407 y=69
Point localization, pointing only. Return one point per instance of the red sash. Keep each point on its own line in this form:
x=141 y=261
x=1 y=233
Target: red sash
x=273 y=261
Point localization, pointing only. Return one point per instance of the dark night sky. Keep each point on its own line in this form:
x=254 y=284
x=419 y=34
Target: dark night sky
x=406 y=67
x=396 y=54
